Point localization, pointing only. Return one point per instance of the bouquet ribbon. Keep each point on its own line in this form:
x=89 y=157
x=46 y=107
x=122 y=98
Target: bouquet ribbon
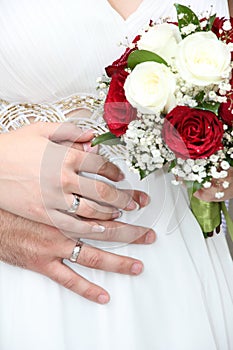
x=208 y=214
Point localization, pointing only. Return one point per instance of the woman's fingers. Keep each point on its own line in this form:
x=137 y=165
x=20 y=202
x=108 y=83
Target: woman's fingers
x=220 y=190
x=112 y=231
x=92 y=210
x=102 y=192
x=83 y=161
x=60 y=132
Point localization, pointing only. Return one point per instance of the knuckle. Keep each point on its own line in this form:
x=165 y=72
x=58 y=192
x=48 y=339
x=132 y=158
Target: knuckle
x=122 y=265
x=71 y=157
x=63 y=225
x=90 y=211
x=36 y=211
x=89 y=293
x=94 y=260
x=112 y=235
x=65 y=180
x=69 y=283
x=105 y=191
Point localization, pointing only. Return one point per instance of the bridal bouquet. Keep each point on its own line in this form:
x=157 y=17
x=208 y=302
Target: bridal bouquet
x=169 y=100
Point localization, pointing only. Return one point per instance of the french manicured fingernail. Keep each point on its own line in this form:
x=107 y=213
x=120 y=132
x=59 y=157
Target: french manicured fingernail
x=132 y=205
x=136 y=268
x=98 y=228
x=116 y=214
x=103 y=299
x=144 y=199
x=121 y=176
x=150 y=237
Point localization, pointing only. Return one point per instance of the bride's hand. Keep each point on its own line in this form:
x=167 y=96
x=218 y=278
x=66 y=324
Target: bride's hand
x=222 y=187
x=42 y=248
x=40 y=172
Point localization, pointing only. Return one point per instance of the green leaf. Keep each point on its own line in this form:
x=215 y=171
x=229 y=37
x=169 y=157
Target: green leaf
x=108 y=139
x=142 y=174
x=209 y=106
x=210 y=22
x=140 y=56
x=186 y=16
x=172 y=165
x=200 y=96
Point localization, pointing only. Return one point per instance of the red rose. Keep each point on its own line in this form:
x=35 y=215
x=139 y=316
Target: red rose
x=226 y=109
x=225 y=35
x=118 y=113
x=121 y=63
x=192 y=133
x=217 y=28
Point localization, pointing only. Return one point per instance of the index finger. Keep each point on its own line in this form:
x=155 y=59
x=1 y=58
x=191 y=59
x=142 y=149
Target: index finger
x=81 y=161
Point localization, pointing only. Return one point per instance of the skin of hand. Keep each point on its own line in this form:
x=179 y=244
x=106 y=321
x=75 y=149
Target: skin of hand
x=230 y=7
x=208 y=195
x=40 y=171
x=42 y=248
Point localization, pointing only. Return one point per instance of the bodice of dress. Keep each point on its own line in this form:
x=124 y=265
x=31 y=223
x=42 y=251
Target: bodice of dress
x=51 y=49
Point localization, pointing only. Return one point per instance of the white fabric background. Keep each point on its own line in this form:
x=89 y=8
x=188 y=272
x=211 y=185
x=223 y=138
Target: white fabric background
x=183 y=300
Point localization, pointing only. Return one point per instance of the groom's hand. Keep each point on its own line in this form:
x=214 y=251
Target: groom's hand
x=42 y=248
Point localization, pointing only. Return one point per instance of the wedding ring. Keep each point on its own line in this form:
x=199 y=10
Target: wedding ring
x=75 y=253
x=75 y=204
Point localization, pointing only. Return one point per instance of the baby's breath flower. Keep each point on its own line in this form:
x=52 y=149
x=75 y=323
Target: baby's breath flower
x=225 y=165
x=227 y=25
x=207 y=184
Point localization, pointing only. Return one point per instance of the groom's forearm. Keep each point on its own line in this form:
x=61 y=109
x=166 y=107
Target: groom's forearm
x=13 y=238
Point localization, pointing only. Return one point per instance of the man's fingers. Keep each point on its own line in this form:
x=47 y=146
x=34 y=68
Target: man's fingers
x=67 y=278
x=101 y=260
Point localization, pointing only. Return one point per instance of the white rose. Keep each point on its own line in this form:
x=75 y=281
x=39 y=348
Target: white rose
x=202 y=59
x=150 y=88
x=161 y=39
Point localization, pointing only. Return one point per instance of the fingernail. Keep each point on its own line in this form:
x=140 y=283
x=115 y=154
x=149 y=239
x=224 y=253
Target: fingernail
x=132 y=205
x=136 y=268
x=121 y=176
x=150 y=237
x=103 y=298
x=144 y=199
x=98 y=228
x=88 y=148
x=117 y=214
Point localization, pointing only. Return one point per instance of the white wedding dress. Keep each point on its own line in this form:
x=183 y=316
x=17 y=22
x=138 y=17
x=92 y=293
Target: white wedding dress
x=183 y=300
